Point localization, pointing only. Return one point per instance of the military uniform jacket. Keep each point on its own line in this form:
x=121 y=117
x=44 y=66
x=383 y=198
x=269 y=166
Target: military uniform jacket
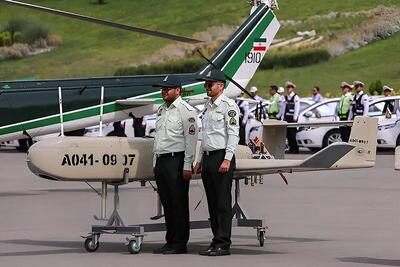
x=220 y=126
x=176 y=131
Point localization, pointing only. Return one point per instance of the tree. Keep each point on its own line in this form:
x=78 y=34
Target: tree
x=376 y=88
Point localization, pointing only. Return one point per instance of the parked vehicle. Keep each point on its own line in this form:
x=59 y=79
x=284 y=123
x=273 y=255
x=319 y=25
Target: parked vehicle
x=254 y=127
x=317 y=138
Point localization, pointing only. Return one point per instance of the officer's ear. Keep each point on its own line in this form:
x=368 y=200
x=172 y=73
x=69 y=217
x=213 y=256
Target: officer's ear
x=179 y=89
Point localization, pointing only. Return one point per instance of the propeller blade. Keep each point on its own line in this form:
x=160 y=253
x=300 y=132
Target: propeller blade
x=102 y=22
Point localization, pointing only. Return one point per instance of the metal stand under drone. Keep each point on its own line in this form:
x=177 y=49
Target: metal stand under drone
x=115 y=224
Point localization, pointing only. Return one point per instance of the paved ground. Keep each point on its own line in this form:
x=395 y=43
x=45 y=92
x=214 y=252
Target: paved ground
x=338 y=218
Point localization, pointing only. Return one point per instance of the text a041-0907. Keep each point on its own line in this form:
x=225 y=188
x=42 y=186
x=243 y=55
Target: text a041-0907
x=90 y=159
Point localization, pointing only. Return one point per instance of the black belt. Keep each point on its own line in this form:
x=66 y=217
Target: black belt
x=172 y=154
x=214 y=152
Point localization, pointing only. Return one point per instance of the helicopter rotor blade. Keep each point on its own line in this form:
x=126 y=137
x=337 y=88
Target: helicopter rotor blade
x=102 y=22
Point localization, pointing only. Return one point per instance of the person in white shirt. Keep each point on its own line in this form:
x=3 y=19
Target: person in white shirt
x=360 y=103
x=253 y=93
x=217 y=160
x=290 y=112
x=316 y=94
x=174 y=150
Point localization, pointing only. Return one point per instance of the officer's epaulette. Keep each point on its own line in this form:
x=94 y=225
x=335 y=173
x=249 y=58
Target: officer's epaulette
x=229 y=101
x=189 y=107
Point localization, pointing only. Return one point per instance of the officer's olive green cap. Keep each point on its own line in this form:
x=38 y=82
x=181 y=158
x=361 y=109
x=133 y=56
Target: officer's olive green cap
x=169 y=81
x=213 y=75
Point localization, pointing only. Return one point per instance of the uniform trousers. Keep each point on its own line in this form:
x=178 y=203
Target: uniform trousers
x=174 y=196
x=291 y=137
x=345 y=132
x=218 y=190
x=242 y=133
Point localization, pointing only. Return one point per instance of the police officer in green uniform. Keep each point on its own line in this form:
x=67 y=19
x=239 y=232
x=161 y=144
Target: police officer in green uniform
x=217 y=161
x=274 y=102
x=174 y=151
x=343 y=110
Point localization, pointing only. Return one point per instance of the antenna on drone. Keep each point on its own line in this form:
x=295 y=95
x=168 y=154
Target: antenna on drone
x=61 y=111
x=101 y=111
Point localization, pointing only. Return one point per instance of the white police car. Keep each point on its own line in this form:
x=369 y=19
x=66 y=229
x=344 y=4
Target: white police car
x=317 y=138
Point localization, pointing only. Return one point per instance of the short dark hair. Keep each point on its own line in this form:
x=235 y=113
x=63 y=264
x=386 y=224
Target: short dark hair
x=274 y=87
x=317 y=87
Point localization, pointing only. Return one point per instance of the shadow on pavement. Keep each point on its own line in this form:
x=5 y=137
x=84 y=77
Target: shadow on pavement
x=67 y=247
x=367 y=260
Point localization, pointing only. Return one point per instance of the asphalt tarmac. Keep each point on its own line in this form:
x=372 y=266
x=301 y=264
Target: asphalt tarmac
x=335 y=218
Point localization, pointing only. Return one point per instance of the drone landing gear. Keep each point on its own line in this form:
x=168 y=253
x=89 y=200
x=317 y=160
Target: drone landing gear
x=135 y=233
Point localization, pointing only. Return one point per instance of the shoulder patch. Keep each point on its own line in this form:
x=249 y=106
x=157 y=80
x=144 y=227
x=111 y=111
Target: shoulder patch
x=232 y=113
x=185 y=104
x=191 y=120
x=192 y=129
x=232 y=121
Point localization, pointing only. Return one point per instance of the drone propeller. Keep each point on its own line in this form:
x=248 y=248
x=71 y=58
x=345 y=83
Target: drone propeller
x=102 y=22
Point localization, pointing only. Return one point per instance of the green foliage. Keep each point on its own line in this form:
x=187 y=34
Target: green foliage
x=15 y=25
x=376 y=88
x=379 y=60
x=181 y=66
x=17 y=37
x=275 y=60
x=92 y=50
x=5 y=39
x=25 y=30
x=290 y=59
x=34 y=32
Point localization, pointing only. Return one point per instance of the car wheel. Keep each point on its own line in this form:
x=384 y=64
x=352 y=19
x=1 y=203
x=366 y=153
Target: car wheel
x=331 y=137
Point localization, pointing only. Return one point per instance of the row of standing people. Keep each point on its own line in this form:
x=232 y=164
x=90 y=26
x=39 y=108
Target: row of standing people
x=287 y=107
x=280 y=107
x=351 y=105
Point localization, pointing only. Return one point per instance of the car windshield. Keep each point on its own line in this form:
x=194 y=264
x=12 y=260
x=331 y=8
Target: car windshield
x=304 y=105
x=324 y=110
x=377 y=109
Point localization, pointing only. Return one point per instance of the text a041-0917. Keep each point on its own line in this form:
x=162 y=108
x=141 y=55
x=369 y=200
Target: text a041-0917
x=90 y=160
